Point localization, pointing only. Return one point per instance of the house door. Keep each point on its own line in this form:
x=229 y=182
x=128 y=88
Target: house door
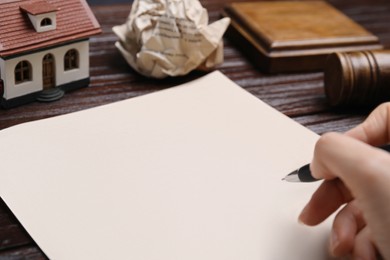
x=49 y=80
x=1 y=88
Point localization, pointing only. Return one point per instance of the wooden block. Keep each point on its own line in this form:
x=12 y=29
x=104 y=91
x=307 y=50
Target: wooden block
x=292 y=36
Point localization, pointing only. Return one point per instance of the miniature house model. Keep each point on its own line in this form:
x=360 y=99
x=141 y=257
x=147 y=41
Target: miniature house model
x=44 y=49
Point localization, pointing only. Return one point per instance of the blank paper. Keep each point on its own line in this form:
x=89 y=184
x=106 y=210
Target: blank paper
x=188 y=173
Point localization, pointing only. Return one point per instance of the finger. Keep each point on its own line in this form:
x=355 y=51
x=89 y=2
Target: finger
x=375 y=130
x=365 y=172
x=356 y=163
x=347 y=223
x=364 y=247
x=325 y=200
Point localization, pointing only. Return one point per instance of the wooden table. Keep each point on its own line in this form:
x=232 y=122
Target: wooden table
x=299 y=96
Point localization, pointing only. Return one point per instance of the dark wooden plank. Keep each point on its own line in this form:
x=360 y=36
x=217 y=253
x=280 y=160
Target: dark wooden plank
x=23 y=253
x=12 y=236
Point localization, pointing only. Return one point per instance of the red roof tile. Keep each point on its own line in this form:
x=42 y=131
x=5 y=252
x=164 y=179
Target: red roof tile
x=39 y=7
x=75 y=20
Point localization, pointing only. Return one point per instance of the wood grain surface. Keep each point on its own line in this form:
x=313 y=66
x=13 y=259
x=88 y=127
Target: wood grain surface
x=299 y=96
x=294 y=36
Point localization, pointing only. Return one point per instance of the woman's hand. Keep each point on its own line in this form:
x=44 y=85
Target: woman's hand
x=357 y=175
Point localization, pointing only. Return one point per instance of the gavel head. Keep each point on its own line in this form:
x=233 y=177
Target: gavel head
x=357 y=78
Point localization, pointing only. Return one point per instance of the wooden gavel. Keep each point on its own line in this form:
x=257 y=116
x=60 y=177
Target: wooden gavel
x=358 y=78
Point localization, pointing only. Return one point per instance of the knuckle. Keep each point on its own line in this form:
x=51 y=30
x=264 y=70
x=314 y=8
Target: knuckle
x=372 y=167
x=325 y=141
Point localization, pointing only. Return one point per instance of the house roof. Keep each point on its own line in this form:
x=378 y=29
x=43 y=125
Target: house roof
x=75 y=21
x=39 y=7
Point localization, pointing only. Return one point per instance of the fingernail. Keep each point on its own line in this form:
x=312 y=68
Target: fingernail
x=334 y=241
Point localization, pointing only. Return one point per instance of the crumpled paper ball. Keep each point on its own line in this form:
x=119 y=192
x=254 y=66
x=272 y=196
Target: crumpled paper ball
x=170 y=38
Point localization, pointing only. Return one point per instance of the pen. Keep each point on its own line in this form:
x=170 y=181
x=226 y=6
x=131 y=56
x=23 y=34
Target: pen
x=303 y=174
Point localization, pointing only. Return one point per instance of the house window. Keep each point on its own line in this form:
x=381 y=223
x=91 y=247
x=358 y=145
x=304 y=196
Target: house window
x=46 y=22
x=23 y=72
x=71 y=60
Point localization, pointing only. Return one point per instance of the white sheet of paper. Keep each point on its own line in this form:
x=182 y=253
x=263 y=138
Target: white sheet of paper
x=189 y=173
